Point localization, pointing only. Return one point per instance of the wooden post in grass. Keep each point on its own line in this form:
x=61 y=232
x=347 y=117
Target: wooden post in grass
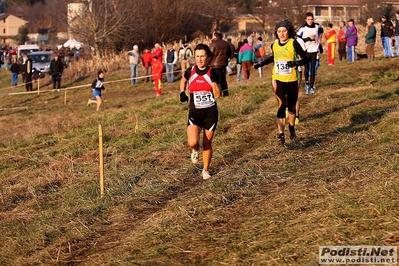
x=100 y=141
x=65 y=96
x=38 y=86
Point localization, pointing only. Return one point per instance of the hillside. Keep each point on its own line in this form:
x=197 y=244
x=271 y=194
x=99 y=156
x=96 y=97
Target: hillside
x=336 y=184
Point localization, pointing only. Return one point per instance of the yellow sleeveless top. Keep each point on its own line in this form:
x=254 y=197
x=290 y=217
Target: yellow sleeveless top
x=283 y=54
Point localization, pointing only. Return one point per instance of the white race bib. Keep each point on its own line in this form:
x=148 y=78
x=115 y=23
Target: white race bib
x=282 y=68
x=203 y=99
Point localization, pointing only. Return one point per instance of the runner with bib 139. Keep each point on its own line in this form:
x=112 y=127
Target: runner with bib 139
x=285 y=53
x=203 y=113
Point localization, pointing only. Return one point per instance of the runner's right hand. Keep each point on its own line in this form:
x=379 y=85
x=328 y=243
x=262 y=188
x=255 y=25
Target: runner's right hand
x=183 y=97
x=292 y=64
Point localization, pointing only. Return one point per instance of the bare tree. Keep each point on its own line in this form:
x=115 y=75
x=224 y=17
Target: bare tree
x=95 y=21
x=164 y=21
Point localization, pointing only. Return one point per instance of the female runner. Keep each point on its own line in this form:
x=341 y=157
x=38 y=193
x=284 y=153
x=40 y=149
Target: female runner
x=285 y=53
x=203 y=111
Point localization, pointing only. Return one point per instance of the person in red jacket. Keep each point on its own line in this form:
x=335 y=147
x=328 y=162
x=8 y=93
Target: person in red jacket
x=331 y=42
x=342 y=40
x=157 y=69
x=158 y=51
x=146 y=59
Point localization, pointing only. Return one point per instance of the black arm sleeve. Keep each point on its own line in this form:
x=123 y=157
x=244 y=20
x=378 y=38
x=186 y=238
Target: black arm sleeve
x=269 y=59
x=307 y=39
x=304 y=58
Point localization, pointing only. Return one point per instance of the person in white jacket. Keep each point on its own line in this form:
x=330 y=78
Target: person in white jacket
x=134 y=60
x=185 y=55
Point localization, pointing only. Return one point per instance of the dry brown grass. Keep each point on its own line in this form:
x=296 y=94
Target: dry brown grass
x=265 y=205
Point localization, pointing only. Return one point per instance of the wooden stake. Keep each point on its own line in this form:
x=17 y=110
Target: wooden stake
x=100 y=140
x=65 y=96
x=38 y=86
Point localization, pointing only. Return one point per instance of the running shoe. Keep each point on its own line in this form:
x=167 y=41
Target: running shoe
x=307 y=87
x=311 y=90
x=281 y=139
x=194 y=156
x=205 y=174
x=292 y=131
x=89 y=102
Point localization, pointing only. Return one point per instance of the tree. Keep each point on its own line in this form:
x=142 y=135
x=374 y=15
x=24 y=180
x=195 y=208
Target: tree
x=22 y=35
x=168 y=20
x=24 y=2
x=94 y=22
x=2 y=6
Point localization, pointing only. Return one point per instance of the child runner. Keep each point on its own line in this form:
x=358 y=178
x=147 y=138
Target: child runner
x=98 y=86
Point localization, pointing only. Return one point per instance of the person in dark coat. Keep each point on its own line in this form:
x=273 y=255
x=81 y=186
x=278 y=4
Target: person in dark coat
x=28 y=68
x=15 y=69
x=56 y=69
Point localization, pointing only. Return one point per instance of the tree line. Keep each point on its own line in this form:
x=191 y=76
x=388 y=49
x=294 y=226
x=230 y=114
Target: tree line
x=112 y=25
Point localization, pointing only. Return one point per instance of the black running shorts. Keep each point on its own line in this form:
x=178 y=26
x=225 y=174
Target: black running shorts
x=206 y=118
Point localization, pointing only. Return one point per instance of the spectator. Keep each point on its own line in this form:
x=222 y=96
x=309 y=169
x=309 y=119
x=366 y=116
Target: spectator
x=185 y=55
x=331 y=42
x=146 y=58
x=260 y=54
x=56 y=69
x=251 y=39
x=239 y=74
x=387 y=33
x=342 y=40
x=28 y=73
x=134 y=59
x=351 y=40
x=229 y=67
x=15 y=69
x=157 y=69
x=246 y=56
x=158 y=51
x=370 y=39
x=170 y=59
x=221 y=54
x=35 y=76
x=22 y=67
x=397 y=32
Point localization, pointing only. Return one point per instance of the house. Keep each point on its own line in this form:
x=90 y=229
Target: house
x=337 y=10
x=9 y=25
x=267 y=13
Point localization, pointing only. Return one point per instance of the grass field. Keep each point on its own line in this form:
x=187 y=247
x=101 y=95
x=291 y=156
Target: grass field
x=336 y=184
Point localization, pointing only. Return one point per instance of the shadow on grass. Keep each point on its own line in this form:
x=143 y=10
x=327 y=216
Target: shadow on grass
x=352 y=104
x=387 y=95
x=335 y=109
x=361 y=121
x=334 y=83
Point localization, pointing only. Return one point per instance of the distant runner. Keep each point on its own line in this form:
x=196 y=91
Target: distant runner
x=97 y=86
